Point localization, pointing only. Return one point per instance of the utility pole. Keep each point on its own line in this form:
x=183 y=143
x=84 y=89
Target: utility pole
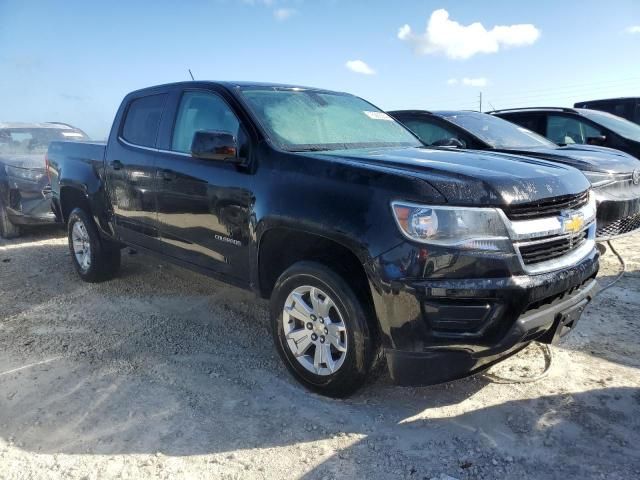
x=480 y=101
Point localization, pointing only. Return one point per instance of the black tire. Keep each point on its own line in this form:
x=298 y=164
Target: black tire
x=104 y=257
x=7 y=229
x=361 y=347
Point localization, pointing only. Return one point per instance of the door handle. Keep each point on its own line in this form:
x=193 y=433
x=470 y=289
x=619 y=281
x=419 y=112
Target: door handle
x=116 y=165
x=168 y=175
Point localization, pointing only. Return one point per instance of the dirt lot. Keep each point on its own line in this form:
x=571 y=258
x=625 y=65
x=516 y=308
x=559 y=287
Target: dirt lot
x=163 y=373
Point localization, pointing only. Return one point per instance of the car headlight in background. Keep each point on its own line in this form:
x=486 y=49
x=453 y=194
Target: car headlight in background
x=28 y=174
x=458 y=227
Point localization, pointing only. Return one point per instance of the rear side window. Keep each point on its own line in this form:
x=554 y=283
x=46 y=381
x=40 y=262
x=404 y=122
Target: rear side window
x=143 y=120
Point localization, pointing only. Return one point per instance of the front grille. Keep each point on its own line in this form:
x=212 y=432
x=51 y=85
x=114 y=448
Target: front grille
x=619 y=227
x=553 y=248
x=547 y=208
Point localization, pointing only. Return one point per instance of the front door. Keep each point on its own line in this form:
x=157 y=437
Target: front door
x=204 y=205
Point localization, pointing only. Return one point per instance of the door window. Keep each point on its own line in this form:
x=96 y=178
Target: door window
x=528 y=121
x=431 y=133
x=564 y=130
x=143 y=120
x=201 y=111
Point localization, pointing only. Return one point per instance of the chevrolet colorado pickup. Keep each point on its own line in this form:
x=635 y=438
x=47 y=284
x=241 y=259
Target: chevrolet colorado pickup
x=367 y=243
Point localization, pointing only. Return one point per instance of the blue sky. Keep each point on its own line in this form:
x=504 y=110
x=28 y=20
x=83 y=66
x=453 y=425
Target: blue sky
x=73 y=61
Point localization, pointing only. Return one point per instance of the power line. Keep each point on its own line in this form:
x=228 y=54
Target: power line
x=545 y=92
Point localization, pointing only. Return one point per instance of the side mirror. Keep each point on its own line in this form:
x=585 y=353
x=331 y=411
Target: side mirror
x=214 y=145
x=599 y=140
x=448 y=142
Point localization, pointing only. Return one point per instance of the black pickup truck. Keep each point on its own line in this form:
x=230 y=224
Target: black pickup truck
x=365 y=241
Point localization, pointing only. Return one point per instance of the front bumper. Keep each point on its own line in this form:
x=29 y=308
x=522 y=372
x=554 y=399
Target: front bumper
x=437 y=330
x=27 y=202
x=441 y=364
x=618 y=212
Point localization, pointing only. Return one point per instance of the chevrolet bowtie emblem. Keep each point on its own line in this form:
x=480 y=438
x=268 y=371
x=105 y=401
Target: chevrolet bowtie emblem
x=572 y=222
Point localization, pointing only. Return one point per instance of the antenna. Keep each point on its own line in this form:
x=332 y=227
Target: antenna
x=480 y=101
x=191 y=74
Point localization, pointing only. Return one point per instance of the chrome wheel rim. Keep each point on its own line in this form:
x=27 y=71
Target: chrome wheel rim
x=81 y=245
x=315 y=331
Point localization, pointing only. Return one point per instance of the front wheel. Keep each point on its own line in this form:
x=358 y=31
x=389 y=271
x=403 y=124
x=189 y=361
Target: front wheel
x=93 y=259
x=320 y=330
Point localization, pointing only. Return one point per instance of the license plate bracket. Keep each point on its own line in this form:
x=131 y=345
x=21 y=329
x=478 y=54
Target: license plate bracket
x=567 y=320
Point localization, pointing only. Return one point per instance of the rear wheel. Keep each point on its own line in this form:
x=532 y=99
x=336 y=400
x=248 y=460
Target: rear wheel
x=320 y=329
x=7 y=229
x=93 y=259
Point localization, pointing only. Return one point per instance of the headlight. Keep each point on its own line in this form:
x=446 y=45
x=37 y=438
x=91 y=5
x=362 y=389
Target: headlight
x=599 y=179
x=458 y=227
x=24 y=173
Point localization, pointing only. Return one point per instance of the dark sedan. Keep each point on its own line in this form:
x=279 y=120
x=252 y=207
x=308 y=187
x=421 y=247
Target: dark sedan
x=614 y=175
x=24 y=185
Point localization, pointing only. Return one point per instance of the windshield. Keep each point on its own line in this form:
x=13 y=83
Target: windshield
x=307 y=120
x=619 y=125
x=34 y=140
x=497 y=132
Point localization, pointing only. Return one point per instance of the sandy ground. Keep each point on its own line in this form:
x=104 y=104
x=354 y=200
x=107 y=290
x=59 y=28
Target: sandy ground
x=163 y=373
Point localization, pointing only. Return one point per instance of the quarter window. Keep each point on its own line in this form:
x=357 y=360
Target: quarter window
x=201 y=111
x=143 y=120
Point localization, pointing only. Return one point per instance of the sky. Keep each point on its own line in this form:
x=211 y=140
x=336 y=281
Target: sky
x=73 y=61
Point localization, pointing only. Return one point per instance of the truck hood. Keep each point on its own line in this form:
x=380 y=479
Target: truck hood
x=471 y=177
x=31 y=161
x=583 y=157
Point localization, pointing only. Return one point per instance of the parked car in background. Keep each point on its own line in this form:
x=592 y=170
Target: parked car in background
x=362 y=238
x=567 y=126
x=24 y=185
x=615 y=175
x=627 y=107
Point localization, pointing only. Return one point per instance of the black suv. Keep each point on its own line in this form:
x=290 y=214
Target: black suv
x=615 y=175
x=566 y=126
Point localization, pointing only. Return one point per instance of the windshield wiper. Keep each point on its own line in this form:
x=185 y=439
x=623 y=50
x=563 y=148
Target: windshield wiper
x=311 y=149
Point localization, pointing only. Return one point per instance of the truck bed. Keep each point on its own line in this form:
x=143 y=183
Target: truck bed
x=77 y=150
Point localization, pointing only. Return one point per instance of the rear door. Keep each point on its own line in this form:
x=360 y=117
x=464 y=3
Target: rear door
x=204 y=205
x=131 y=170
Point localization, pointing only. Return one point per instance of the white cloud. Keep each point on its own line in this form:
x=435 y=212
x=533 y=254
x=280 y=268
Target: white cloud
x=283 y=14
x=460 y=42
x=633 y=29
x=475 y=82
x=469 y=82
x=359 y=66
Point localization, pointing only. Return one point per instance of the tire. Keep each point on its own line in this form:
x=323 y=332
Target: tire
x=345 y=371
x=102 y=261
x=7 y=229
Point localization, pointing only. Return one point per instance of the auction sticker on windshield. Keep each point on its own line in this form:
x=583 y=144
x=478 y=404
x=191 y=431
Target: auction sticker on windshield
x=377 y=115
